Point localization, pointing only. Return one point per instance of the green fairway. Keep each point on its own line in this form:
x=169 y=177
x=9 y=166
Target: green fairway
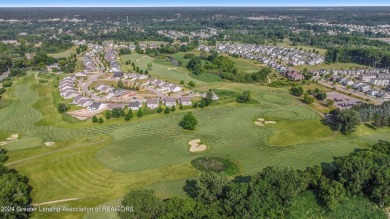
x=98 y=163
x=64 y=54
x=207 y=77
x=162 y=70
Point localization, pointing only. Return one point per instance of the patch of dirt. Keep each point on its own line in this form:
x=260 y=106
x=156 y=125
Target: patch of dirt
x=84 y=114
x=171 y=69
x=196 y=145
x=137 y=60
x=49 y=143
x=262 y=122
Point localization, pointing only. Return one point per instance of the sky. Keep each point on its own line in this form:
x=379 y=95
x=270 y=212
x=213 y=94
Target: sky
x=169 y=3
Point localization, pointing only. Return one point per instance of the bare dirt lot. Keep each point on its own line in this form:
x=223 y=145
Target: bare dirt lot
x=84 y=114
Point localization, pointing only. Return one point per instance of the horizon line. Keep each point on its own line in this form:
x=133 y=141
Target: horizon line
x=181 y=6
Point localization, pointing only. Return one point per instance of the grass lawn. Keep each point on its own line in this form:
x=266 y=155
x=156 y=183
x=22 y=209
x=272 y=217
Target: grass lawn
x=173 y=74
x=99 y=163
x=246 y=66
x=4 y=135
x=64 y=54
x=206 y=77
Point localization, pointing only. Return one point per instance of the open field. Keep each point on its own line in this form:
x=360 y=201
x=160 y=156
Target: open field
x=99 y=163
x=173 y=74
x=64 y=54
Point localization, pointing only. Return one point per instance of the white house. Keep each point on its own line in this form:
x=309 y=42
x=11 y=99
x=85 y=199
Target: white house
x=135 y=105
x=96 y=106
x=169 y=101
x=185 y=101
x=152 y=103
x=174 y=88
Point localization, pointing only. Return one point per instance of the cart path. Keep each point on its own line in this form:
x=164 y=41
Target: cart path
x=52 y=152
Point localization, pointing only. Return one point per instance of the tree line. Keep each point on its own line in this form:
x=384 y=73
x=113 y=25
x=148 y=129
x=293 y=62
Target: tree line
x=223 y=67
x=271 y=192
x=14 y=191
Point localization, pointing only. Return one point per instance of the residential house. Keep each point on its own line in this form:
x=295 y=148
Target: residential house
x=115 y=105
x=213 y=95
x=84 y=102
x=118 y=74
x=169 y=101
x=185 y=101
x=364 y=87
x=367 y=77
x=135 y=105
x=372 y=92
x=96 y=106
x=152 y=103
x=174 y=88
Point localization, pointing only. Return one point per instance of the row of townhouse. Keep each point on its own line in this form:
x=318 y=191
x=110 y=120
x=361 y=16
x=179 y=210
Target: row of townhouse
x=162 y=85
x=112 y=92
x=378 y=79
x=363 y=87
x=266 y=54
x=154 y=103
x=202 y=34
x=67 y=91
x=350 y=72
x=89 y=64
x=110 y=57
x=67 y=87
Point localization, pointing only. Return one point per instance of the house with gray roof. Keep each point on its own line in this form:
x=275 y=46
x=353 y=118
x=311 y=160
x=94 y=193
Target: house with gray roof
x=185 y=101
x=135 y=105
x=169 y=101
x=96 y=106
x=152 y=103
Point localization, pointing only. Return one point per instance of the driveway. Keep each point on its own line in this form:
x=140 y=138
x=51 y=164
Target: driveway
x=4 y=75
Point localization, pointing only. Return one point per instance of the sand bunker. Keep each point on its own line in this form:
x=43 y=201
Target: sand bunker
x=171 y=69
x=15 y=136
x=143 y=57
x=49 y=143
x=137 y=60
x=259 y=123
x=262 y=122
x=196 y=145
x=12 y=138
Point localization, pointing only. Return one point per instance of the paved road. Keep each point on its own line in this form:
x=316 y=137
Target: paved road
x=340 y=87
x=56 y=201
x=52 y=152
x=4 y=75
x=88 y=82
